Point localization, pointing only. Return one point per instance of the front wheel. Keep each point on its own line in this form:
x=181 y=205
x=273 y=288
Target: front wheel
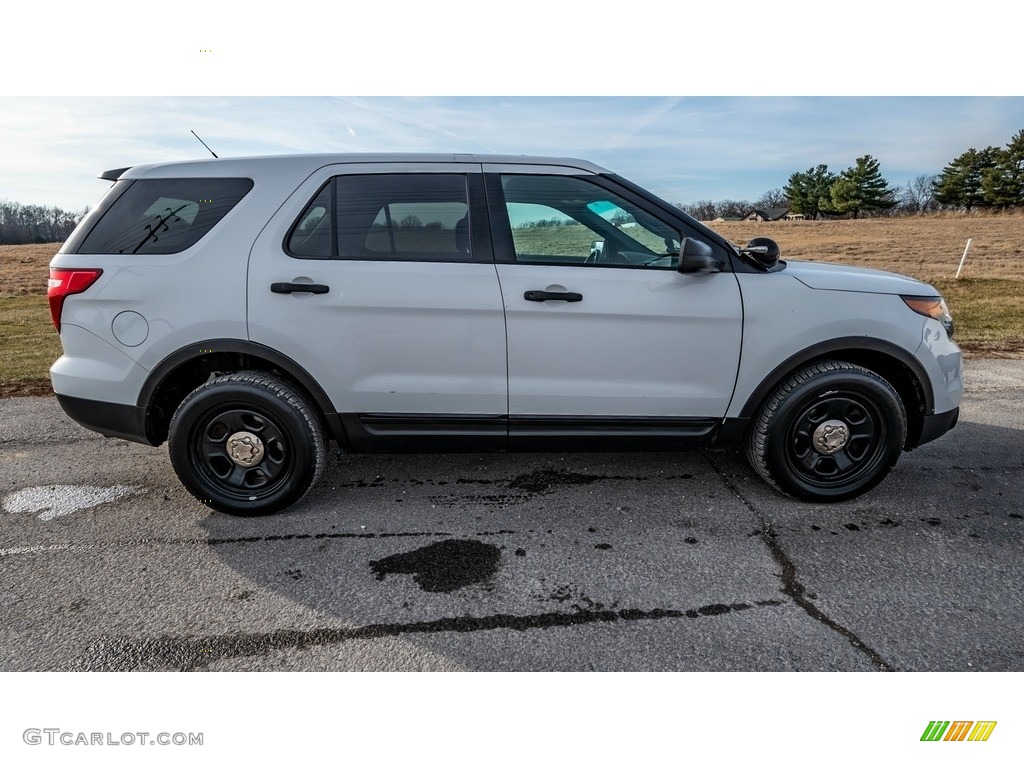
x=246 y=444
x=832 y=431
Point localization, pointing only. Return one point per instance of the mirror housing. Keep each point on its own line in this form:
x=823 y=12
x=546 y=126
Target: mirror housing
x=764 y=251
x=697 y=258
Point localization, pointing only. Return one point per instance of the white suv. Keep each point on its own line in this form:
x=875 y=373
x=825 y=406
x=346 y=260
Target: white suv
x=247 y=310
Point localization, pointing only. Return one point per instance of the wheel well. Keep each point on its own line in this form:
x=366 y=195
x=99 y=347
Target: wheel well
x=900 y=375
x=903 y=380
x=175 y=386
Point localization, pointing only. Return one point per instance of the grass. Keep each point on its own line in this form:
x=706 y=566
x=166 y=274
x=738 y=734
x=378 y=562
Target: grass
x=28 y=345
x=926 y=247
x=988 y=314
x=987 y=305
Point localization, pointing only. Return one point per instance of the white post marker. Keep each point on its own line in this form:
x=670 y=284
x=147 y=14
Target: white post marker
x=963 y=259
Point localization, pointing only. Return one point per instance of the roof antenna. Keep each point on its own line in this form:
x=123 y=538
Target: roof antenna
x=204 y=144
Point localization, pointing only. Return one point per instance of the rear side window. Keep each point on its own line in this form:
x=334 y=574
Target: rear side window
x=313 y=234
x=401 y=217
x=163 y=215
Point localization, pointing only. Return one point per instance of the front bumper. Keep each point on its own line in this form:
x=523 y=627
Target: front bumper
x=938 y=424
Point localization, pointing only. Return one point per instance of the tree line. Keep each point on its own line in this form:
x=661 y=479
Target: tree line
x=20 y=224
x=989 y=178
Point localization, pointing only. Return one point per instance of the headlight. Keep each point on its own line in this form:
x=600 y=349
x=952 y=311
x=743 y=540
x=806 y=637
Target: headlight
x=933 y=307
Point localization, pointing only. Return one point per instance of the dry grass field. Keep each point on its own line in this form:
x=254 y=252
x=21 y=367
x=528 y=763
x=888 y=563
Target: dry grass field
x=926 y=247
x=988 y=304
x=28 y=342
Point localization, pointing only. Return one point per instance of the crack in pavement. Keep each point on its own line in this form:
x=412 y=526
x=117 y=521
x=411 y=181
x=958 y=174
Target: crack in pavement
x=791 y=585
x=33 y=549
x=188 y=654
x=50 y=441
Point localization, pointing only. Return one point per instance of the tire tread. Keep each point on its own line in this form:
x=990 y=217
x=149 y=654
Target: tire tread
x=761 y=428
x=292 y=400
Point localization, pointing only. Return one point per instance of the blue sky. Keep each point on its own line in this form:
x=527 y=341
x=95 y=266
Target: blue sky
x=596 y=80
x=682 y=148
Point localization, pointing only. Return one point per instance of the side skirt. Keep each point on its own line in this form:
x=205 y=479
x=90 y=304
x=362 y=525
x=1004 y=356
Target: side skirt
x=458 y=433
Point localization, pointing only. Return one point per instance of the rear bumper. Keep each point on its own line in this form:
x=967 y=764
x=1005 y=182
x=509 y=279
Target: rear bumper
x=111 y=419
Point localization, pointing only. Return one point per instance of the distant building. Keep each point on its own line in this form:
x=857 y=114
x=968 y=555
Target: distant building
x=768 y=214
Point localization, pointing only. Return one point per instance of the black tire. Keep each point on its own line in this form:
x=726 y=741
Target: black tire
x=855 y=415
x=275 y=435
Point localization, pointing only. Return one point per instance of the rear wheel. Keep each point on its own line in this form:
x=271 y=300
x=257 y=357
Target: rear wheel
x=832 y=431
x=246 y=444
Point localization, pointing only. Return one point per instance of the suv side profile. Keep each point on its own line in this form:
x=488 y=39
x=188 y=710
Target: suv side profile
x=250 y=310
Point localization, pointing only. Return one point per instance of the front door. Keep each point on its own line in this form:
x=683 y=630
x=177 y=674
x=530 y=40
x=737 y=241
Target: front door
x=605 y=337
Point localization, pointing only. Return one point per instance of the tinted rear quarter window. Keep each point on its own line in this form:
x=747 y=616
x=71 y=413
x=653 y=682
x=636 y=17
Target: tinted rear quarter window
x=159 y=216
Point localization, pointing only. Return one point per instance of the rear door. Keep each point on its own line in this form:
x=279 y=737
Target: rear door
x=605 y=337
x=379 y=281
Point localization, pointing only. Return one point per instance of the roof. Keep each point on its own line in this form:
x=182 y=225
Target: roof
x=309 y=163
x=771 y=214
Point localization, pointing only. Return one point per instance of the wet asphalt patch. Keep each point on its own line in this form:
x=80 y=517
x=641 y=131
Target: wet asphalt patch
x=515 y=490
x=187 y=654
x=443 y=566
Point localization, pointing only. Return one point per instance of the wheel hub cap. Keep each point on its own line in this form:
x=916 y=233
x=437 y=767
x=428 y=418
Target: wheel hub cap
x=830 y=436
x=245 y=449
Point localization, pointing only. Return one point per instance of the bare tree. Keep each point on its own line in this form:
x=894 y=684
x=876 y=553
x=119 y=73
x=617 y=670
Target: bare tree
x=734 y=209
x=919 y=195
x=35 y=223
x=773 y=198
x=702 y=210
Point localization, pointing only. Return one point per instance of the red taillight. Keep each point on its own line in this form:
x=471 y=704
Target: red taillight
x=64 y=283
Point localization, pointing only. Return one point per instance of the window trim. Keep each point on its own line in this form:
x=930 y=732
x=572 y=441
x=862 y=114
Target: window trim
x=286 y=244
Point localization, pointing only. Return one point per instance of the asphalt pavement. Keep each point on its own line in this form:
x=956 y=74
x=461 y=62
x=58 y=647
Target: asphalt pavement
x=554 y=561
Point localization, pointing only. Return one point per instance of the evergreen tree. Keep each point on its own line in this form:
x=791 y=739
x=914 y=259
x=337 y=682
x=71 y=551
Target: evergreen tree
x=1002 y=183
x=960 y=183
x=806 y=191
x=862 y=188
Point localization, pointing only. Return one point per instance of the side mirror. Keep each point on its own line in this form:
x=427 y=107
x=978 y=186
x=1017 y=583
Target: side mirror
x=764 y=251
x=697 y=258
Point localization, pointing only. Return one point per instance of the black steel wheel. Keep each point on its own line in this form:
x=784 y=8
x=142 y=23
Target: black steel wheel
x=246 y=444
x=830 y=432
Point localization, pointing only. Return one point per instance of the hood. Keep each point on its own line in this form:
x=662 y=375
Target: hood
x=839 y=277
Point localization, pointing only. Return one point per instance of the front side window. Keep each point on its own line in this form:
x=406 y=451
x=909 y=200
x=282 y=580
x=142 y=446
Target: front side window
x=566 y=220
x=159 y=216
x=405 y=217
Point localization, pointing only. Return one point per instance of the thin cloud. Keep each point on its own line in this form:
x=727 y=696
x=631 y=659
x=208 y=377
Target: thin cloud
x=649 y=117
x=348 y=125
x=683 y=150
x=409 y=119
